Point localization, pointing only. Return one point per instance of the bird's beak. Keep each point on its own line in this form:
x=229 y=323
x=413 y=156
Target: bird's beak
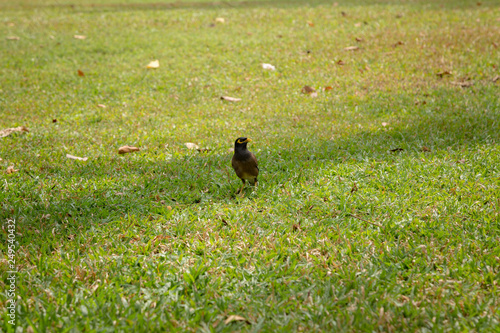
x=248 y=140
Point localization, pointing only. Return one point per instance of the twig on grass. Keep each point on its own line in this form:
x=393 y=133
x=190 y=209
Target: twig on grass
x=362 y=219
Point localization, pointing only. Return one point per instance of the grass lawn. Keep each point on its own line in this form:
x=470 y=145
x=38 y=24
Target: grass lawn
x=378 y=202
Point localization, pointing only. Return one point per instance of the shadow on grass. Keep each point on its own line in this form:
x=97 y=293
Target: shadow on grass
x=108 y=190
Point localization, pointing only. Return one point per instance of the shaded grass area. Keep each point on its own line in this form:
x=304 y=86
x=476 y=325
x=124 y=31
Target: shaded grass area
x=342 y=234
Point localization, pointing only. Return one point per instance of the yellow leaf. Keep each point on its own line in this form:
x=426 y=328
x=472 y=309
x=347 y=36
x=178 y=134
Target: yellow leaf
x=154 y=64
x=232 y=318
x=76 y=157
x=11 y=169
x=191 y=145
x=79 y=37
x=9 y=131
x=127 y=149
x=230 y=99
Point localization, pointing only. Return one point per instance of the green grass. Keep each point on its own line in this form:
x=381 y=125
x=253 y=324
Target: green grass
x=342 y=233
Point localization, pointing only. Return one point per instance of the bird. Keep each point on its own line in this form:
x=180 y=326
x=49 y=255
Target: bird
x=244 y=163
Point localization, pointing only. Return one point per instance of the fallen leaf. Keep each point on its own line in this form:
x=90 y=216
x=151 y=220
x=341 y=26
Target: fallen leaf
x=76 y=157
x=462 y=161
x=426 y=149
x=314 y=94
x=328 y=88
x=230 y=99
x=220 y=20
x=190 y=145
x=232 y=318
x=310 y=23
x=496 y=78
x=79 y=37
x=351 y=48
x=400 y=15
x=127 y=149
x=357 y=25
x=441 y=74
x=354 y=188
x=13 y=38
x=344 y=14
x=11 y=169
x=268 y=66
x=340 y=62
x=153 y=64
x=101 y=106
x=80 y=73
x=463 y=84
x=296 y=227
x=398 y=43
x=308 y=90
x=54 y=120
x=384 y=124
x=9 y=131
x=359 y=40
x=396 y=149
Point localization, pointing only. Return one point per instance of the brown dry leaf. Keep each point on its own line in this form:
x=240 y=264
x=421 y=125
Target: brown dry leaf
x=359 y=40
x=11 y=169
x=426 y=149
x=101 y=106
x=80 y=73
x=30 y=330
x=328 y=88
x=127 y=149
x=308 y=90
x=396 y=149
x=13 y=38
x=310 y=23
x=191 y=145
x=357 y=25
x=232 y=318
x=443 y=73
x=153 y=64
x=54 y=120
x=76 y=157
x=344 y=14
x=463 y=84
x=79 y=37
x=296 y=227
x=354 y=188
x=340 y=62
x=9 y=131
x=351 y=48
x=462 y=161
x=496 y=78
x=220 y=20
x=230 y=99
x=398 y=43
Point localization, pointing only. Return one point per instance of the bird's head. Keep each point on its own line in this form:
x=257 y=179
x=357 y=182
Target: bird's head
x=241 y=143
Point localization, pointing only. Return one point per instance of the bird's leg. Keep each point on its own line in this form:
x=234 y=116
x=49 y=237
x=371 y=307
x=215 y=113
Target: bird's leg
x=240 y=191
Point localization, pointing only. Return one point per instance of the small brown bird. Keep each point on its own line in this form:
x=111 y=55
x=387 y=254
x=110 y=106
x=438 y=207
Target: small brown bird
x=244 y=163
